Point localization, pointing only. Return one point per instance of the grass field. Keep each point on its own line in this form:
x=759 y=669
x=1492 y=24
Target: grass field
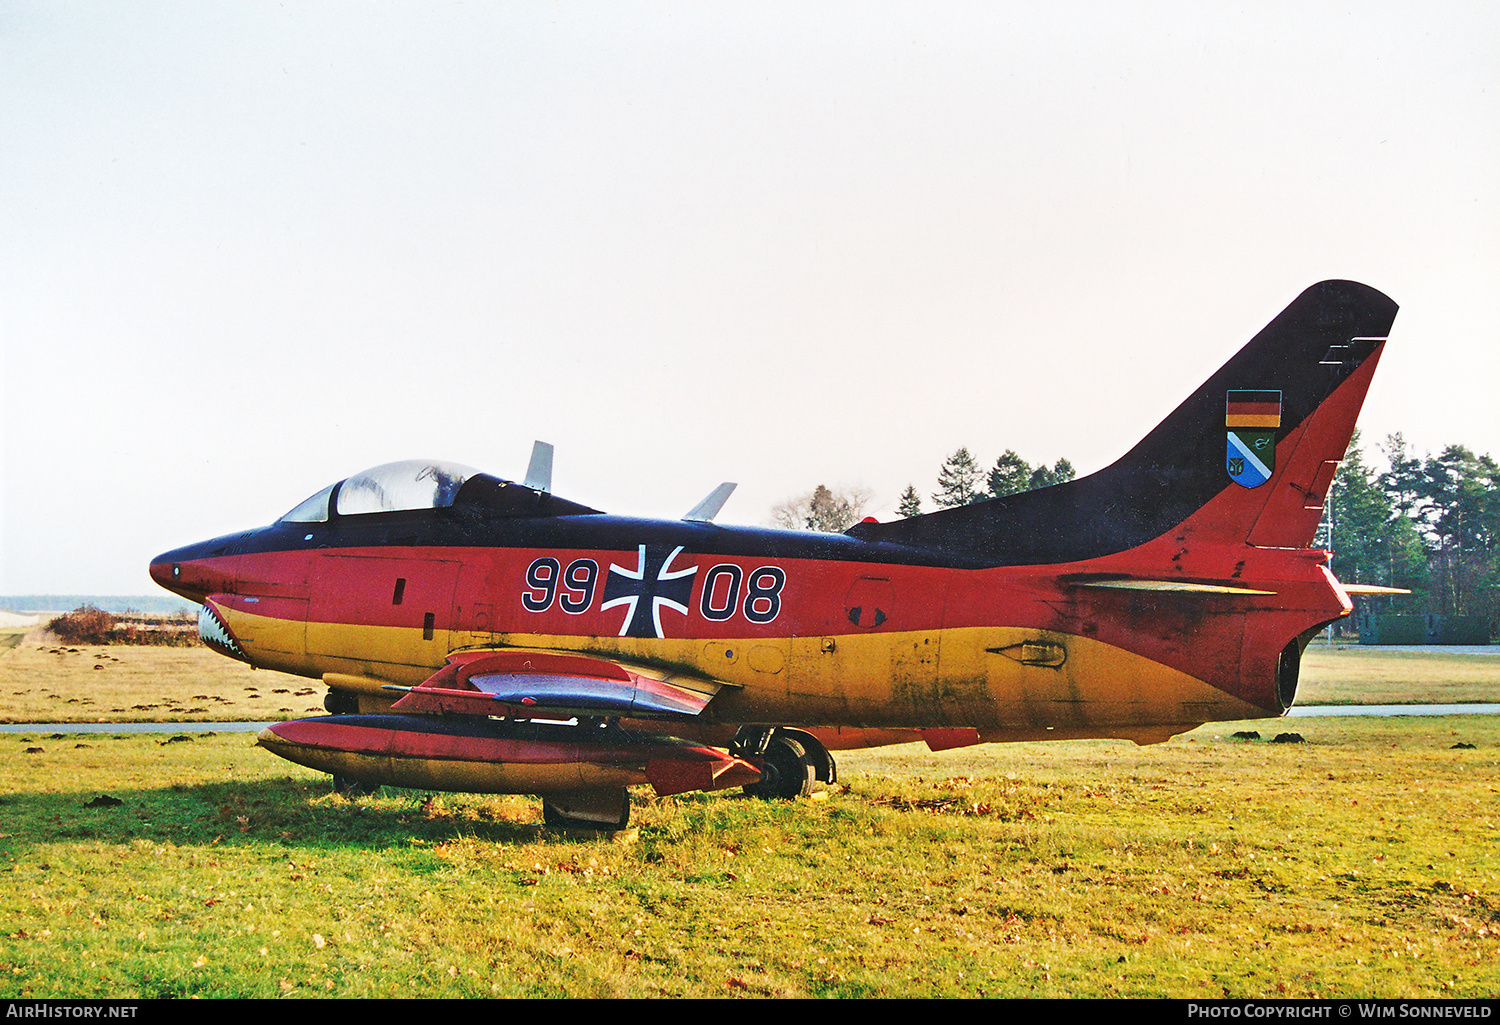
x=1364 y=862
x=122 y=683
x=1361 y=676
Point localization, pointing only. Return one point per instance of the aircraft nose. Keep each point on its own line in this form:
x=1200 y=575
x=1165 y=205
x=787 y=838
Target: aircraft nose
x=193 y=572
x=165 y=572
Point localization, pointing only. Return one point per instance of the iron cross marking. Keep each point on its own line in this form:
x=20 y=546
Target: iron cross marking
x=646 y=589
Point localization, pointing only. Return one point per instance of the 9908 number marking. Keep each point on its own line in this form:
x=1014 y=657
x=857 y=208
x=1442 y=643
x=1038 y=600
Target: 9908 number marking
x=727 y=589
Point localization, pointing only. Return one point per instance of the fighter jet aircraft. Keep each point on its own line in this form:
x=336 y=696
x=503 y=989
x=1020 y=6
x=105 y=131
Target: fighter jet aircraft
x=479 y=634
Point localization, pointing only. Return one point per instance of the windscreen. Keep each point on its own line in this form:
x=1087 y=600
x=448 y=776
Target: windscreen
x=311 y=510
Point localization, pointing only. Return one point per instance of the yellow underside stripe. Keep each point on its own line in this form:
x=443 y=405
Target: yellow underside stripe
x=986 y=677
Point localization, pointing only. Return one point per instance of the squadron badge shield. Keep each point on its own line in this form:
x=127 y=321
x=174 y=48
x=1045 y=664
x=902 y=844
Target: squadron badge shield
x=1251 y=419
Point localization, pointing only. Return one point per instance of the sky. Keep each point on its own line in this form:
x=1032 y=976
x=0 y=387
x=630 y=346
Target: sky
x=247 y=249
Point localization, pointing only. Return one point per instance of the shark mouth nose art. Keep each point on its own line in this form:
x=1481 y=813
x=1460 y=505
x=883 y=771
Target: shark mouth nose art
x=215 y=633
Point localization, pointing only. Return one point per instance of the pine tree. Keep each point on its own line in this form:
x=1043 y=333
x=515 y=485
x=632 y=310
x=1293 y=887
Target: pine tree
x=1372 y=542
x=823 y=510
x=1453 y=503
x=1011 y=476
x=958 y=481
x=1041 y=477
x=1462 y=504
x=911 y=503
x=1403 y=481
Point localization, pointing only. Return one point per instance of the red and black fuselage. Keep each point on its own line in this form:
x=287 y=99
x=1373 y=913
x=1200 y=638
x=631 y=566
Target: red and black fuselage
x=1174 y=587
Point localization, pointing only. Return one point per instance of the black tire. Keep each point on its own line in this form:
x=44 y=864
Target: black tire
x=786 y=772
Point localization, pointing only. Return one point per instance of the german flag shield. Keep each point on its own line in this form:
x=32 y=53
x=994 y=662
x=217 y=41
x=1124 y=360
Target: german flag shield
x=1251 y=419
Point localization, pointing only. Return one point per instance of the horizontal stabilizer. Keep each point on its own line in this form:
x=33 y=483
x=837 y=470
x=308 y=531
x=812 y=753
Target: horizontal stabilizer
x=1167 y=585
x=1371 y=589
x=524 y=683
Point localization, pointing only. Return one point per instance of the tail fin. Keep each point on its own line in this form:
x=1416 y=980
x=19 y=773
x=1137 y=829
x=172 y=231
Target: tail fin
x=1248 y=457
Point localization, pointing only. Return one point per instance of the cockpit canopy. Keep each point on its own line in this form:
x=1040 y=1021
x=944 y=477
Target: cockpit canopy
x=414 y=485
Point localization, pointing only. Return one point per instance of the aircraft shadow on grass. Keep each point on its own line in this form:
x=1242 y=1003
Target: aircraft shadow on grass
x=286 y=811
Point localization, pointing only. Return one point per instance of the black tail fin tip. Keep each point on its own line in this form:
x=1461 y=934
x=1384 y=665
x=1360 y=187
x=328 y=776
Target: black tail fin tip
x=1284 y=374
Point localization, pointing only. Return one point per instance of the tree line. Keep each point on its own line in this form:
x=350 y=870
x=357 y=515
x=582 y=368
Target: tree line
x=963 y=481
x=1429 y=524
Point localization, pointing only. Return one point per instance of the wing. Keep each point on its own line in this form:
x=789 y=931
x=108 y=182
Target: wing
x=523 y=683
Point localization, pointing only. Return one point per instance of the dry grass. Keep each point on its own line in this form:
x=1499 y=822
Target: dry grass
x=125 y=683
x=1359 y=676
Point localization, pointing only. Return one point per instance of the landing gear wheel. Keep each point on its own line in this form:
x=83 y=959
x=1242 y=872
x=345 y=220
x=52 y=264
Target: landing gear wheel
x=786 y=771
x=594 y=809
x=352 y=788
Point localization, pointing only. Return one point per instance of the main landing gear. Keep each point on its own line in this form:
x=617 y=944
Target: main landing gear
x=790 y=761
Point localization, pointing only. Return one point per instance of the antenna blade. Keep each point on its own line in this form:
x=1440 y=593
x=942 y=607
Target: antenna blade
x=539 y=472
x=706 y=510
